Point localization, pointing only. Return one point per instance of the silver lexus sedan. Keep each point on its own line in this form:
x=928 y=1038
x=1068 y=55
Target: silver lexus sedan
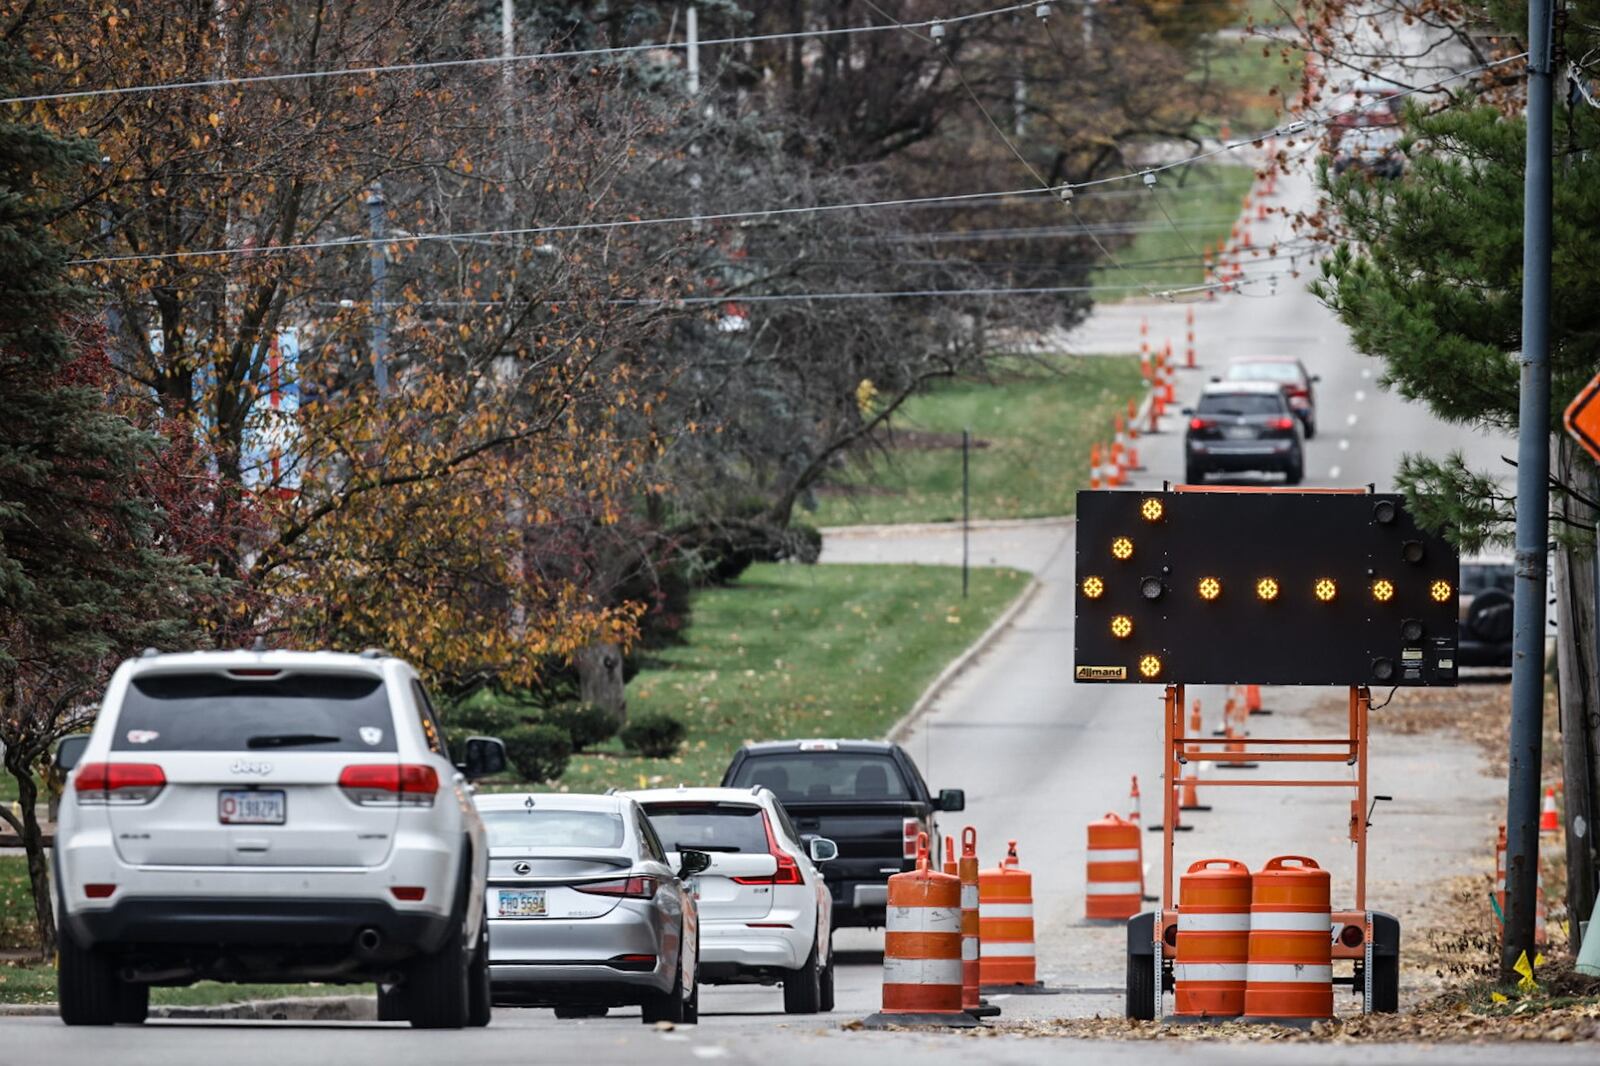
x=585 y=914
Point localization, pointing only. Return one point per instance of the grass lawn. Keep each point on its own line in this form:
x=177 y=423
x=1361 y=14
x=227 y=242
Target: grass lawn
x=1031 y=435
x=36 y=983
x=1204 y=207
x=799 y=651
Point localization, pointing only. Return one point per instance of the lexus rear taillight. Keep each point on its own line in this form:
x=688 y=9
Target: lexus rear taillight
x=1282 y=423
x=119 y=783
x=1201 y=423
x=390 y=784
x=788 y=872
x=625 y=887
x=910 y=830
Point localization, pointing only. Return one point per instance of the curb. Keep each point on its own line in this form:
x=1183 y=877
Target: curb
x=294 y=1009
x=913 y=528
x=937 y=686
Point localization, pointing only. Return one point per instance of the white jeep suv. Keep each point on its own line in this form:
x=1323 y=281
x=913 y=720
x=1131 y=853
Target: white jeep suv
x=271 y=816
x=766 y=917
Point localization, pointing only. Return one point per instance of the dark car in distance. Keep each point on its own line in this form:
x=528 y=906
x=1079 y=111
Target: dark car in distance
x=1290 y=374
x=1240 y=426
x=1371 y=150
x=867 y=796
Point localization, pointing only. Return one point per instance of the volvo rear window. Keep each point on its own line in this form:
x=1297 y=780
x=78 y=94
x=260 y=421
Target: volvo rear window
x=551 y=827
x=709 y=826
x=824 y=776
x=1241 y=403
x=215 y=712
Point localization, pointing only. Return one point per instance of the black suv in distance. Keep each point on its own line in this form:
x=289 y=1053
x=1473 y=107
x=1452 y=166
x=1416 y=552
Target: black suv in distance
x=1243 y=425
x=867 y=796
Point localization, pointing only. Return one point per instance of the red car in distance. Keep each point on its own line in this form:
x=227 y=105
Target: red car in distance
x=1288 y=373
x=1363 y=105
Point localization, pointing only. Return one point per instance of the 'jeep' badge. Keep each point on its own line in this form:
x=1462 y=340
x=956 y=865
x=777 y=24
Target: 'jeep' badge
x=246 y=766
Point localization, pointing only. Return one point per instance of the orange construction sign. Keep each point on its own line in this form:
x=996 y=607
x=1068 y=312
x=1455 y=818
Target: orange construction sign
x=1583 y=417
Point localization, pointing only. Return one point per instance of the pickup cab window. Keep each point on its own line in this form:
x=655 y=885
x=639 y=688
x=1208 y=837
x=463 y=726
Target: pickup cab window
x=825 y=777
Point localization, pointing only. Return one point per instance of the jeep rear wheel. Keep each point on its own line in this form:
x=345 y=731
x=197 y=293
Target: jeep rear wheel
x=87 y=986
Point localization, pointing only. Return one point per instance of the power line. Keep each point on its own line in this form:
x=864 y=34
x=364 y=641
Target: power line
x=485 y=61
x=1064 y=191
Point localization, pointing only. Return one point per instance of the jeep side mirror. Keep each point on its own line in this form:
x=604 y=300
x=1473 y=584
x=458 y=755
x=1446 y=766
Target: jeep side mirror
x=691 y=862
x=952 y=799
x=822 y=849
x=69 y=750
x=484 y=757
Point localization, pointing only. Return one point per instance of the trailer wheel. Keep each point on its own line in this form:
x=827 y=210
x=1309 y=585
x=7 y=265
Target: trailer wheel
x=1141 y=1003
x=1385 y=984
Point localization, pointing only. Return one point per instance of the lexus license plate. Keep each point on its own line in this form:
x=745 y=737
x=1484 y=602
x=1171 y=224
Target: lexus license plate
x=251 y=806
x=1240 y=433
x=522 y=903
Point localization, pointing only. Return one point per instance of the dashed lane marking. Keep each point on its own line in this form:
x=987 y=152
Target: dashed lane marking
x=1333 y=473
x=1361 y=394
x=1350 y=419
x=1344 y=444
x=708 y=1051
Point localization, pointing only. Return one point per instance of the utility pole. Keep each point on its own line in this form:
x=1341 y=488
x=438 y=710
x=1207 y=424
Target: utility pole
x=966 y=510
x=508 y=41
x=1533 y=504
x=691 y=32
x=380 y=300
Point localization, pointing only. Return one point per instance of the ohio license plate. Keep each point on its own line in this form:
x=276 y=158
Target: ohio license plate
x=522 y=903
x=251 y=806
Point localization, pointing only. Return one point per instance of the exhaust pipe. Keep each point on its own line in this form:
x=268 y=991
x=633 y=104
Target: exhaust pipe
x=368 y=942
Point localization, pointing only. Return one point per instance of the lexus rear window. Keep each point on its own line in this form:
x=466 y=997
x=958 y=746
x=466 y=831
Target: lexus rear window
x=214 y=712
x=1241 y=403
x=709 y=826
x=550 y=827
x=823 y=777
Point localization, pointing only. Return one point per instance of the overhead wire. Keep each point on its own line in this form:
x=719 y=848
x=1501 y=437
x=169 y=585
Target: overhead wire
x=483 y=61
x=1065 y=191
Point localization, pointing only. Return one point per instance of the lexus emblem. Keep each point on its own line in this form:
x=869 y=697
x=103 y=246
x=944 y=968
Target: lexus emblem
x=522 y=869
x=245 y=766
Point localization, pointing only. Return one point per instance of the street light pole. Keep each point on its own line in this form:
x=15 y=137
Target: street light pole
x=380 y=308
x=1533 y=504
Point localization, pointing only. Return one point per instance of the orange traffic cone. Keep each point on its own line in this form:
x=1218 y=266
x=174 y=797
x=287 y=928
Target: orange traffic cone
x=1094 y=466
x=1133 y=414
x=1189 y=799
x=1252 y=700
x=1549 y=820
x=1133 y=800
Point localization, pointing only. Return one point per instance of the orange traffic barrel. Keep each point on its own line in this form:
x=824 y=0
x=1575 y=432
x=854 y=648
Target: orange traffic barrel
x=967 y=871
x=1115 y=883
x=1290 y=972
x=1213 y=939
x=1005 y=923
x=922 y=947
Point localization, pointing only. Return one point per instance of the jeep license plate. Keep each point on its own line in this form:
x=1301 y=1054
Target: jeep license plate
x=251 y=806
x=522 y=903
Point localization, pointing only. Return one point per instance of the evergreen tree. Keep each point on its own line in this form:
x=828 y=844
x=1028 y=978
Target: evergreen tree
x=87 y=573
x=1431 y=281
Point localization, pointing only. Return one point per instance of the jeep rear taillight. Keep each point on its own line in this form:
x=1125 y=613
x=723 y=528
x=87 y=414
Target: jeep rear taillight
x=390 y=784
x=118 y=783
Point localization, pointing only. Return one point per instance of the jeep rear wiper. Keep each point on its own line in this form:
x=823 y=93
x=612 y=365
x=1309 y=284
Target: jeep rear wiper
x=680 y=846
x=289 y=740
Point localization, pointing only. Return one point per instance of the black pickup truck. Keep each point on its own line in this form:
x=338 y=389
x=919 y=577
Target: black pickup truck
x=866 y=796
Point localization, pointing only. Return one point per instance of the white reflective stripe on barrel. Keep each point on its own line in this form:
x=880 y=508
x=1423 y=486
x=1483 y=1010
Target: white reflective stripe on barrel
x=1288 y=973
x=969 y=948
x=1208 y=971
x=921 y=971
x=1289 y=921
x=1213 y=923
x=1006 y=910
x=1113 y=855
x=1108 y=888
x=969 y=897
x=924 y=920
x=1005 y=949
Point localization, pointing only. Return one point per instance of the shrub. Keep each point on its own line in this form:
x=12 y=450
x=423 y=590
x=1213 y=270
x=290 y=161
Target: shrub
x=655 y=735
x=539 y=752
x=586 y=724
x=485 y=712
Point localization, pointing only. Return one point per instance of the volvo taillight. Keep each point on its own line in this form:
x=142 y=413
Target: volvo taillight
x=625 y=887
x=390 y=784
x=119 y=783
x=910 y=830
x=788 y=872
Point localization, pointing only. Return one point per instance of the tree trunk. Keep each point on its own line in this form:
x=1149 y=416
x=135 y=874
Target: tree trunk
x=32 y=835
x=600 y=679
x=1578 y=676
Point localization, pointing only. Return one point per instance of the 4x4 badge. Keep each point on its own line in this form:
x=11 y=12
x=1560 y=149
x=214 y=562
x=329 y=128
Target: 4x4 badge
x=244 y=766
